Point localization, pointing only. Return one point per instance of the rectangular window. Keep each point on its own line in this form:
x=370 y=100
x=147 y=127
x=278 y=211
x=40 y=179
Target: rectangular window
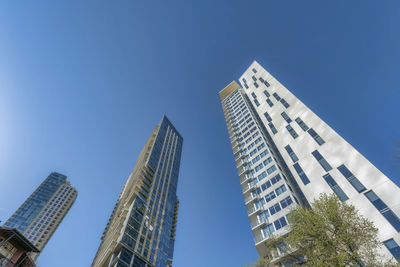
x=393 y=247
x=267 y=161
x=254 y=70
x=291 y=153
x=256 y=102
x=254 y=78
x=286 y=202
x=301 y=123
x=262 y=176
x=352 y=179
x=245 y=85
x=253 y=95
x=261 y=79
x=321 y=160
x=292 y=131
x=256 y=85
x=269 y=102
x=316 y=137
x=266 y=185
x=271 y=169
x=266 y=93
x=275 y=179
x=284 y=103
x=268 y=230
x=335 y=187
x=280 y=190
x=286 y=117
x=280 y=223
x=384 y=210
x=301 y=174
x=244 y=80
x=266 y=83
x=272 y=127
x=267 y=117
x=274 y=209
x=277 y=97
x=270 y=196
x=263 y=216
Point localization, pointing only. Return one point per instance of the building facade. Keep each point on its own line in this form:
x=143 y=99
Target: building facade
x=15 y=249
x=287 y=156
x=141 y=228
x=40 y=215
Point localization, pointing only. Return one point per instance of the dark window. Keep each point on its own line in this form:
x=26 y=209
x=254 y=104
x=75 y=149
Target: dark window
x=384 y=210
x=286 y=117
x=267 y=117
x=254 y=78
x=284 y=103
x=256 y=85
x=269 y=102
x=292 y=131
x=301 y=173
x=266 y=84
x=301 y=124
x=392 y=246
x=245 y=85
x=256 y=102
x=335 y=187
x=291 y=153
x=274 y=209
x=244 y=80
x=253 y=95
x=254 y=70
x=277 y=97
x=273 y=129
x=266 y=93
x=321 y=160
x=316 y=137
x=280 y=223
x=352 y=179
x=261 y=80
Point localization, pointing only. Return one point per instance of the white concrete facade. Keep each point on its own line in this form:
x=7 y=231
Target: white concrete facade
x=334 y=149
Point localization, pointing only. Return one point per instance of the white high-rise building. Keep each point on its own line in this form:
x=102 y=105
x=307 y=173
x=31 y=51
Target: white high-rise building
x=286 y=155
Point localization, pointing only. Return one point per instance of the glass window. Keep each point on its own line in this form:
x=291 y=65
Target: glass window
x=286 y=202
x=280 y=190
x=253 y=95
x=393 y=247
x=301 y=123
x=266 y=83
x=321 y=160
x=256 y=102
x=254 y=78
x=277 y=97
x=275 y=179
x=267 y=117
x=274 y=209
x=266 y=93
x=286 y=117
x=335 y=187
x=384 y=210
x=272 y=127
x=291 y=153
x=256 y=85
x=284 y=103
x=269 y=102
x=301 y=173
x=352 y=179
x=292 y=131
x=267 y=161
x=280 y=223
x=270 y=196
x=316 y=137
x=254 y=70
x=268 y=230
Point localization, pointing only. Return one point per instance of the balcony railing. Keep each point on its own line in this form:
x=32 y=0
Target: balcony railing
x=250 y=199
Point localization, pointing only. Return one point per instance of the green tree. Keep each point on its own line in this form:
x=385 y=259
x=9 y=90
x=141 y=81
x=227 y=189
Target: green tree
x=332 y=233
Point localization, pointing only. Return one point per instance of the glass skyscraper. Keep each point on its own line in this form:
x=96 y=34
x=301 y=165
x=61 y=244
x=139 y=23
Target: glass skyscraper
x=141 y=228
x=287 y=156
x=39 y=216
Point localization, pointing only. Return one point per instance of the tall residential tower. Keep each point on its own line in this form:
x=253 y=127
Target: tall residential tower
x=40 y=215
x=286 y=156
x=141 y=229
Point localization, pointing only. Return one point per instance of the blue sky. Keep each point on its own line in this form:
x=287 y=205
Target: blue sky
x=83 y=83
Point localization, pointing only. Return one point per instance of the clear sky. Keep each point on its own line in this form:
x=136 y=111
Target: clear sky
x=83 y=83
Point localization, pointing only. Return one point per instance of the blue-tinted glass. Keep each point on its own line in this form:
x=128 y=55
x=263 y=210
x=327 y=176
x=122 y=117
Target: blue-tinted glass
x=269 y=102
x=335 y=187
x=316 y=137
x=384 y=210
x=321 y=160
x=301 y=123
x=352 y=179
x=301 y=173
x=286 y=117
x=272 y=127
x=393 y=247
x=292 y=131
x=266 y=93
x=291 y=153
x=277 y=97
x=267 y=117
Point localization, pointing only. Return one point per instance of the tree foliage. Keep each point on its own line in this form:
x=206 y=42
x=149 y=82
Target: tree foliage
x=332 y=233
